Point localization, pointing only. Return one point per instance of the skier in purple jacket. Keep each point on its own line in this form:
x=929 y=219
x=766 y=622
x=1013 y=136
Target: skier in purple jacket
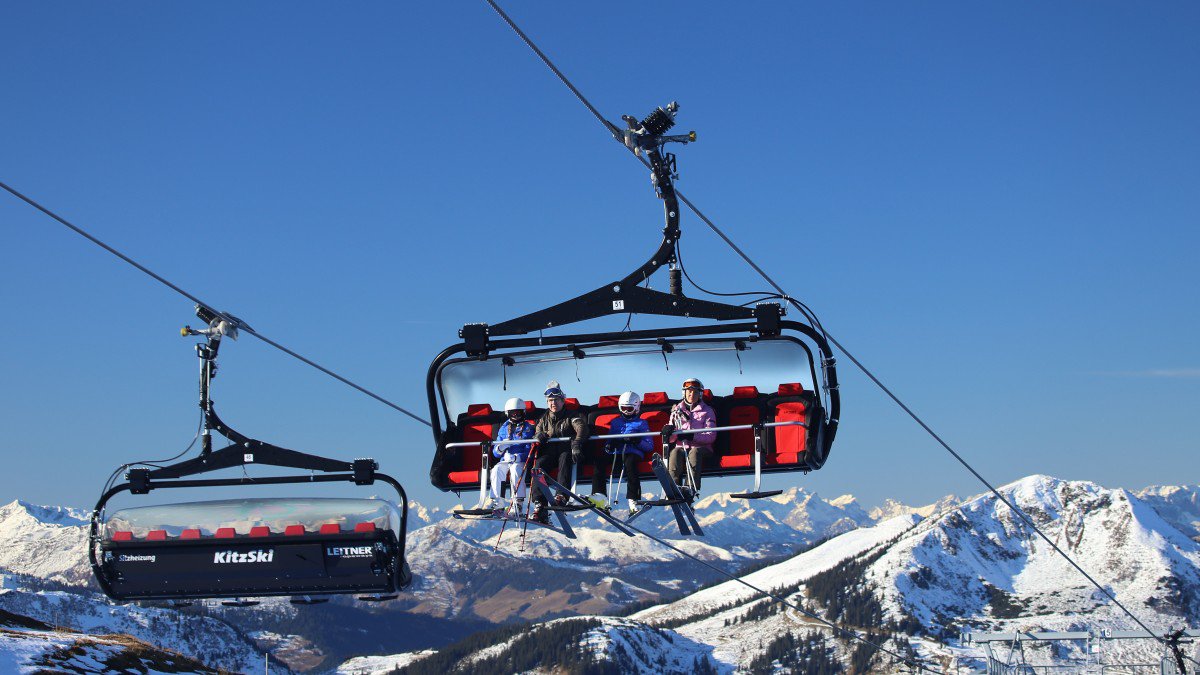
x=691 y=413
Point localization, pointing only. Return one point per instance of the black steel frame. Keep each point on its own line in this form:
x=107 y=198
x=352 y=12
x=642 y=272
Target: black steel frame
x=241 y=452
x=625 y=296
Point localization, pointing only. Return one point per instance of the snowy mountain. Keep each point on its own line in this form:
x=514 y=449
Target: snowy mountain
x=915 y=583
x=1178 y=505
x=46 y=542
x=28 y=645
x=204 y=639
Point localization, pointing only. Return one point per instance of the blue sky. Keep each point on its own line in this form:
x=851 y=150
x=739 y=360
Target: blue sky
x=994 y=205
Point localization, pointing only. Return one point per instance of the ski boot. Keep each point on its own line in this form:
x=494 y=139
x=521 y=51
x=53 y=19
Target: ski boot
x=514 y=512
x=600 y=501
x=540 y=514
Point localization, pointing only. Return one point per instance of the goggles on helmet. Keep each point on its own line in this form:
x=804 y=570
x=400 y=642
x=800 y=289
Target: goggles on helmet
x=516 y=415
x=627 y=410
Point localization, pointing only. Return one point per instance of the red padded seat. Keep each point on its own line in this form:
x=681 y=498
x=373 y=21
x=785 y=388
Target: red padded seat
x=608 y=401
x=156 y=535
x=122 y=535
x=364 y=527
x=190 y=534
x=226 y=533
x=293 y=530
x=790 y=404
x=331 y=528
x=571 y=404
x=260 y=531
x=655 y=398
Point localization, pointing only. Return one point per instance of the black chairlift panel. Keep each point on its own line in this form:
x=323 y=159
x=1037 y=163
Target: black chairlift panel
x=271 y=566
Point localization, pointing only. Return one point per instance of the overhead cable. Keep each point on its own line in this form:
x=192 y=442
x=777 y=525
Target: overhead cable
x=232 y=320
x=802 y=308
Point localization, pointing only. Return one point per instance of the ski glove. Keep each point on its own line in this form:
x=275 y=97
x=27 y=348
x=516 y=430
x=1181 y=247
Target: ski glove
x=542 y=438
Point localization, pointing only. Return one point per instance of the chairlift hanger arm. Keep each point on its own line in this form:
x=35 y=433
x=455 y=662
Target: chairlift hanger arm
x=625 y=295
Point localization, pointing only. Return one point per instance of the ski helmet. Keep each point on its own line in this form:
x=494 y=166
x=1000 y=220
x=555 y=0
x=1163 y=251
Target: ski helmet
x=630 y=400
x=514 y=408
x=693 y=384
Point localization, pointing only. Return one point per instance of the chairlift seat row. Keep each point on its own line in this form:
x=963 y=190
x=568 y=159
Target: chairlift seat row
x=733 y=450
x=257 y=531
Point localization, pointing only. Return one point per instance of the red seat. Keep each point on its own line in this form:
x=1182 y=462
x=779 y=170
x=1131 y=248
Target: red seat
x=293 y=530
x=364 y=527
x=745 y=406
x=225 y=533
x=790 y=404
x=331 y=528
x=260 y=531
x=156 y=535
x=608 y=401
x=190 y=534
x=122 y=535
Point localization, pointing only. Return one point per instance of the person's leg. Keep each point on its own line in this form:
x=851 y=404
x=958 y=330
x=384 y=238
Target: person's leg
x=633 y=482
x=546 y=461
x=499 y=471
x=696 y=458
x=599 y=473
x=676 y=467
x=515 y=479
x=566 y=466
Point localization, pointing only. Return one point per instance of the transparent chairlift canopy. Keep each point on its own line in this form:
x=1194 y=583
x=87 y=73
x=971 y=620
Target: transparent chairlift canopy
x=243 y=514
x=592 y=371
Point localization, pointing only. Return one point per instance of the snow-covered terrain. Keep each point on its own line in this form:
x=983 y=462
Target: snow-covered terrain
x=930 y=571
x=971 y=566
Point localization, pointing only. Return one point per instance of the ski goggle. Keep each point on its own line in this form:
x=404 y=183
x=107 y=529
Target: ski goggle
x=627 y=410
x=516 y=415
x=693 y=385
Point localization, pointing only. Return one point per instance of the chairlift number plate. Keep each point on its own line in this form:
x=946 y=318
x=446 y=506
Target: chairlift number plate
x=618 y=305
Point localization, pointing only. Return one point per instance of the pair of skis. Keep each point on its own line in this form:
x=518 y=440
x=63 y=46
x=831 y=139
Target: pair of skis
x=685 y=517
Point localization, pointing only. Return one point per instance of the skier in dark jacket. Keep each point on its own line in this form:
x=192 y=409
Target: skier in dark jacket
x=628 y=451
x=558 y=422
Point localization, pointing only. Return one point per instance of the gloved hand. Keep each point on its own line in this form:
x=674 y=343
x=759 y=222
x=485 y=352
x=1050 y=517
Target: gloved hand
x=668 y=433
x=541 y=437
x=577 y=454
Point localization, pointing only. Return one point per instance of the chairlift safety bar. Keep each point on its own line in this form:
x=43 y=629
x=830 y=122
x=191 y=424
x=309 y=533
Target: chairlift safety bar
x=651 y=434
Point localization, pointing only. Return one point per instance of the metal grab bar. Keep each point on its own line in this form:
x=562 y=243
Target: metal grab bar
x=650 y=434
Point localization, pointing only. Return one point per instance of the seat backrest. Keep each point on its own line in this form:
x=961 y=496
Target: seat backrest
x=791 y=403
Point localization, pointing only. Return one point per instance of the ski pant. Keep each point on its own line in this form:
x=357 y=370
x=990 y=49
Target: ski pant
x=550 y=458
x=695 y=459
x=513 y=470
x=605 y=462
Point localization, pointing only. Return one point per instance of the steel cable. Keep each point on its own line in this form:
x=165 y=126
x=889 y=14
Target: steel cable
x=233 y=321
x=803 y=308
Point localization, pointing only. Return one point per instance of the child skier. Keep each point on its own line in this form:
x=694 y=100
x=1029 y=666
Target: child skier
x=513 y=458
x=630 y=451
x=690 y=450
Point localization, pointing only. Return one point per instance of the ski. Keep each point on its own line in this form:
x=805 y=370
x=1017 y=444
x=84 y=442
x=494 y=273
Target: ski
x=675 y=499
x=539 y=483
x=586 y=505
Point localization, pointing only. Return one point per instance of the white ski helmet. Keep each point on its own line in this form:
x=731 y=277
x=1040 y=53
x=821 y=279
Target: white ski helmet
x=514 y=404
x=630 y=398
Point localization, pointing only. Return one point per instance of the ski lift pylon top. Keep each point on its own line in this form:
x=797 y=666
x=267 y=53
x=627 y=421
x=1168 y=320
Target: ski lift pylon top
x=796 y=392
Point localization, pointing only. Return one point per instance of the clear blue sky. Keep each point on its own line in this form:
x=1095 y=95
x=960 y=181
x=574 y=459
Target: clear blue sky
x=993 y=204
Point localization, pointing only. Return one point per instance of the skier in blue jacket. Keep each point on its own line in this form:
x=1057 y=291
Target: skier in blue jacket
x=629 y=451
x=514 y=459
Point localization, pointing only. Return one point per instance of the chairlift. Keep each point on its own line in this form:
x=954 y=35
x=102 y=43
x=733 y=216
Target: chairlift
x=301 y=548
x=773 y=381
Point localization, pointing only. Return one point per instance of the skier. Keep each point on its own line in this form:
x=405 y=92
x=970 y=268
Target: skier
x=557 y=422
x=630 y=450
x=513 y=458
x=691 y=413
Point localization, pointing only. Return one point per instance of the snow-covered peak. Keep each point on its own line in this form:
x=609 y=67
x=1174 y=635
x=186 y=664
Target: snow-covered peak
x=1177 y=504
x=49 y=515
